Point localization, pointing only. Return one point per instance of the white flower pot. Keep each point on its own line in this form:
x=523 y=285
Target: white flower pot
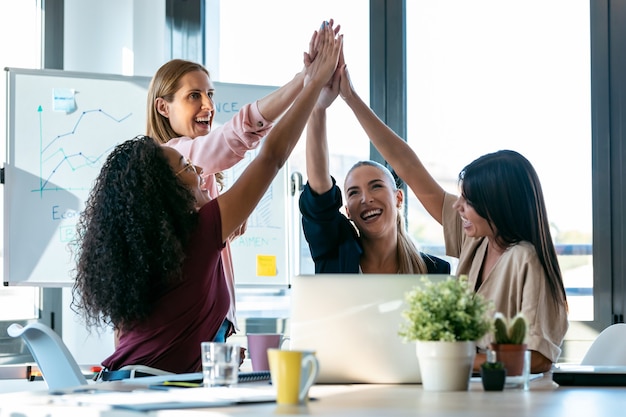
x=445 y=366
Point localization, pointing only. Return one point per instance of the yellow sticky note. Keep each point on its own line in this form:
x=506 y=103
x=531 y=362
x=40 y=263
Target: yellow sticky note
x=266 y=265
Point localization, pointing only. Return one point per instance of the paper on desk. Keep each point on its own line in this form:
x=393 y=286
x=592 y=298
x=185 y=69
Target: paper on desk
x=175 y=398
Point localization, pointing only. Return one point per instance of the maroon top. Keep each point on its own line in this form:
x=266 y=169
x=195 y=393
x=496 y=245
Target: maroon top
x=189 y=313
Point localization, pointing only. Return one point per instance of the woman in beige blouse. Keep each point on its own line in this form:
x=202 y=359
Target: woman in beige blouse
x=497 y=228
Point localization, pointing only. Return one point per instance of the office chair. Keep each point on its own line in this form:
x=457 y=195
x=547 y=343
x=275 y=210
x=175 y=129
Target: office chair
x=609 y=348
x=56 y=363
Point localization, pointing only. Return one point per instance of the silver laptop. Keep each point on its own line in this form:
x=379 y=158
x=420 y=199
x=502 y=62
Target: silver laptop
x=586 y=375
x=352 y=322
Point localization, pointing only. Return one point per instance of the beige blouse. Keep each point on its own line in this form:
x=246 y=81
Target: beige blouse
x=516 y=283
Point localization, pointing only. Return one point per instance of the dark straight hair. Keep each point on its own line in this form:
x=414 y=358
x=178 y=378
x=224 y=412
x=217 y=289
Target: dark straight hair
x=503 y=188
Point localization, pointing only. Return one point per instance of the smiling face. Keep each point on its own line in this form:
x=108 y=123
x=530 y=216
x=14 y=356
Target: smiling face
x=473 y=224
x=191 y=110
x=187 y=173
x=372 y=201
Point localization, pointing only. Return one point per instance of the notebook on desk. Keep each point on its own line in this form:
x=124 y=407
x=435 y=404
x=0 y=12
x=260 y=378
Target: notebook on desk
x=352 y=321
x=193 y=380
x=585 y=375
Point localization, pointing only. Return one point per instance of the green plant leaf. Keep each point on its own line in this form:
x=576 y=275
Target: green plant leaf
x=445 y=310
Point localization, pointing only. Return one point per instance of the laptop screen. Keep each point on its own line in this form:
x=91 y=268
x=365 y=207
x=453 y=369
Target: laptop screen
x=352 y=322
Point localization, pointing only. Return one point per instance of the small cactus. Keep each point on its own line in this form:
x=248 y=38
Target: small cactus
x=509 y=332
x=500 y=328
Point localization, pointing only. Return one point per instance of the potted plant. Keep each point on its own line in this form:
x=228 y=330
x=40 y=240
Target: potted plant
x=509 y=337
x=492 y=373
x=445 y=318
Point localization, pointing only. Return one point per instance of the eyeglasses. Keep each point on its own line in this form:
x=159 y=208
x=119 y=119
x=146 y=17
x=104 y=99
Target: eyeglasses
x=189 y=167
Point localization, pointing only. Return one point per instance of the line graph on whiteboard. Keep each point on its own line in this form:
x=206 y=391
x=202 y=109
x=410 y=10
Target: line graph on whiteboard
x=73 y=147
x=61 y=127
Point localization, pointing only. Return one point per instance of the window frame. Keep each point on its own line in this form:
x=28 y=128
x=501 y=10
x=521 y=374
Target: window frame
x=608 y=64
x=608 y=61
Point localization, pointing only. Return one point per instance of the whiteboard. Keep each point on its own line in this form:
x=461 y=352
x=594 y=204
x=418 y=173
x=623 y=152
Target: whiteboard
x=261 y=255
x=61 y=125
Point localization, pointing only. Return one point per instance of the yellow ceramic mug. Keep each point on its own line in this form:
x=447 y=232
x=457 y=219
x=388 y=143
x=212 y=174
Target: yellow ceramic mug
x=293 y=372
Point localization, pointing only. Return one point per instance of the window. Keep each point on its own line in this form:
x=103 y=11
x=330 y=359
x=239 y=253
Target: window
x=279 y=44
x=257 y=47
x=480 y=75
x=489 y=75
x=20 y=22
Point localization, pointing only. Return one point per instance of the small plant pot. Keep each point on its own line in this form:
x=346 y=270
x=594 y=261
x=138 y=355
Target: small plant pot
x=445 y=366
x=493 y=379
x=512 y=356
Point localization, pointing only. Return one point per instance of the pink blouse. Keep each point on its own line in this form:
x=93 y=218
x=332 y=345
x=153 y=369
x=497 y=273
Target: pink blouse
x=221 y=149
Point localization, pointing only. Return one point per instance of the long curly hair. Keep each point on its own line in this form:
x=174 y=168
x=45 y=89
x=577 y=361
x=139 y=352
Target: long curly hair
x=132 y=236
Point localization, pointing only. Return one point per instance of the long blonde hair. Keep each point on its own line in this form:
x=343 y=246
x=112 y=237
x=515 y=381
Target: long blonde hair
x=165 y=84
x=409 y=258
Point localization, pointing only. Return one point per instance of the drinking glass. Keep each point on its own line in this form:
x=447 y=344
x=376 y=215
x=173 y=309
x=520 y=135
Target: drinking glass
x=220 y=364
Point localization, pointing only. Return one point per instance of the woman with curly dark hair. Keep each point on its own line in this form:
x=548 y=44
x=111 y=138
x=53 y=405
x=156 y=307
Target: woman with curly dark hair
x=150 y=238
x=181 y=110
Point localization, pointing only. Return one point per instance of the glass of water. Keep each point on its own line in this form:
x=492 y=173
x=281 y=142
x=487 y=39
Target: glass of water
x=220 y=364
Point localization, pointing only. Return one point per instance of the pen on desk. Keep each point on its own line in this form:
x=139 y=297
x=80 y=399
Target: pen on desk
x=175 y=384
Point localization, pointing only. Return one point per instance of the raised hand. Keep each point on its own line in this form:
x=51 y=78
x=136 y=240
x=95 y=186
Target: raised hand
x=345 y=86
x=324 y=64
x=314 y=43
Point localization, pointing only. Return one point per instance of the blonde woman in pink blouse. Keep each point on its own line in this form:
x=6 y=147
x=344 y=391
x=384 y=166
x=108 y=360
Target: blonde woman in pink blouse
x=180 y=115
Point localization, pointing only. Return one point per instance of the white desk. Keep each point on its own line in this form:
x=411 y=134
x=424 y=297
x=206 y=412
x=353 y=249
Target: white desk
x=543 y=399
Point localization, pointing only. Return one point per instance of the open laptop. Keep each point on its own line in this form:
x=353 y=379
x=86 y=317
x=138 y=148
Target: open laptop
x=586 y=375
x=352 y=321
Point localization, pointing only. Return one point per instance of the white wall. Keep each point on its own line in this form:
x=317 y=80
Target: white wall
x=114 y=36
